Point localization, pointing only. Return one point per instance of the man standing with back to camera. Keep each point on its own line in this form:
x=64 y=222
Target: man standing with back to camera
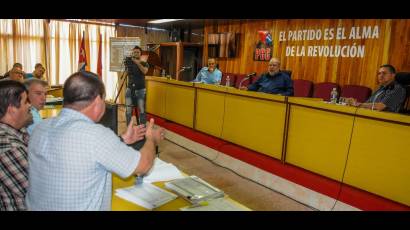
x=136 y=91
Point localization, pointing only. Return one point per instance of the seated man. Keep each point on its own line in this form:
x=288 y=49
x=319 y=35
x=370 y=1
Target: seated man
x=37 y=95
x=15 y=74
x=210 y=74
x=37 y=73
x=14 y=117
x=390 y=95
x=274 y=81
x=15 y=65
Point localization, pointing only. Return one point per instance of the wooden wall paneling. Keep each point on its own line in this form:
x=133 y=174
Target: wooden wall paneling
x=392 y=46
x=399 y=55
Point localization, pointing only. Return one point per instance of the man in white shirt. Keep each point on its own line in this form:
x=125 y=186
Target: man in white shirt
x=71 y=157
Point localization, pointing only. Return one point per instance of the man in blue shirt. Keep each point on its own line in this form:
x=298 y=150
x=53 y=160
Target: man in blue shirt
x=210 y=74
x=71 y=157
x=274 y=81
x=37 y=95
x=38 y=72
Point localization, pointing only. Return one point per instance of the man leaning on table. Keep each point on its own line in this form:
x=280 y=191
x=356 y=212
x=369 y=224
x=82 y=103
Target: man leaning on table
x=71 y=157
x=389 y=96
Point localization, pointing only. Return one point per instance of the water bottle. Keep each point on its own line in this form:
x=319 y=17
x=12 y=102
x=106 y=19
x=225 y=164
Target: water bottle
x=228 y=81
x=333 y=96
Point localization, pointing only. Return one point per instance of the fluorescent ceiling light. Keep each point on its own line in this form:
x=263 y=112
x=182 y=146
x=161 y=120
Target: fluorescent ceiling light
x=163 y=20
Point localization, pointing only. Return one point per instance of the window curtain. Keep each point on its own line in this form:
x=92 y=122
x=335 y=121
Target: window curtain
x=63 y=42
x=56 y=45
x=21 y=40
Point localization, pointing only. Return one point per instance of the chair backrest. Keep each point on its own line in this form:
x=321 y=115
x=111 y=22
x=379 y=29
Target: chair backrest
x=323 y=89
x=255 y=78
x=289 y=72
x=232 y=78
x=239 y=78
x=302 y=88
x=358 y=92
x=403 y=78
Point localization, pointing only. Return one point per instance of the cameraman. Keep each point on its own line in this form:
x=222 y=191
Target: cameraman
x=135 y=93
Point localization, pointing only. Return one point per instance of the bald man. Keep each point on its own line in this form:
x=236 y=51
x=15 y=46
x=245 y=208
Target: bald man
x=210 y=74
x=274 y=81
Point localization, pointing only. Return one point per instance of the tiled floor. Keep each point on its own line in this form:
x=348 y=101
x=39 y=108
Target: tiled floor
x=248 y=193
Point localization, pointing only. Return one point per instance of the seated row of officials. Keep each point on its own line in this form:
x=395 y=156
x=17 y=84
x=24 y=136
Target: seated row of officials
x=390 y=95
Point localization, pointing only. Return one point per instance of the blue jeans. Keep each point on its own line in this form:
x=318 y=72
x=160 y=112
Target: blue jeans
x=135 y=98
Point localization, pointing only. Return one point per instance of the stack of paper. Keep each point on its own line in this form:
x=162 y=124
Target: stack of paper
x=220 y=204
x=162 y=171
x=146 y=195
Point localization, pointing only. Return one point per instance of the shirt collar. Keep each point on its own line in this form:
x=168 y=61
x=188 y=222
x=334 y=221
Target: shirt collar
x=8 y=129
x=71 y=113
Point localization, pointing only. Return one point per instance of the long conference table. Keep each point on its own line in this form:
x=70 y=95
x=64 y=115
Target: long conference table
x=366 y=149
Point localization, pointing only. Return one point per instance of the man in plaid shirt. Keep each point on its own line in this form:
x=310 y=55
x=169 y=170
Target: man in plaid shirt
x=14 y=116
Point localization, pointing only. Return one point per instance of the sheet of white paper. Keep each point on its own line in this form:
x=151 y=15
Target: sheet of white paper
x=146 y=195
x=162 y=171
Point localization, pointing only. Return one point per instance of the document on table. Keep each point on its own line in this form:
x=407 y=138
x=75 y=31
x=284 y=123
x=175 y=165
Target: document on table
x=162 y=171
x=219 y=204
x=194 y=189
x=146 y=195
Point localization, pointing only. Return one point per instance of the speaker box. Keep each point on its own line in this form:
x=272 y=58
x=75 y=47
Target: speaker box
x=110 y=118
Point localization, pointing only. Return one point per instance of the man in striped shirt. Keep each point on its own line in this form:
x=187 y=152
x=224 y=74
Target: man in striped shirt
x=14 y=116
x=390 y=95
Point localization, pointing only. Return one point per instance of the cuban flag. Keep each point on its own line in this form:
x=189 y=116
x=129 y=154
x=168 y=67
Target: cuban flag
x=82 y=61
x=99 y=62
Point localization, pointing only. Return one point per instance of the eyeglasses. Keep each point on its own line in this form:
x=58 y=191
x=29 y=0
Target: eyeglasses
x=383 y=73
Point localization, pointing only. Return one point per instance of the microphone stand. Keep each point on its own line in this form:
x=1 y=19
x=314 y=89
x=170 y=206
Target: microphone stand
x=246 y=78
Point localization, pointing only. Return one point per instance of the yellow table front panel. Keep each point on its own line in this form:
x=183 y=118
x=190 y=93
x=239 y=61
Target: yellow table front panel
x=318 y=140
x=210 y=112
x=155 y=103
x=379 y=159
x=179 y=104
x=255 y=124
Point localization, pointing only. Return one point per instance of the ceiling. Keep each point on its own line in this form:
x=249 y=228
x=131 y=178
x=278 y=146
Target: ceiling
x=184 y=24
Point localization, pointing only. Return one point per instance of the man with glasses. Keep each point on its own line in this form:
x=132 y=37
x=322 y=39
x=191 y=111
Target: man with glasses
x=15 y=74
x=274 y=81
x=390 y=95
x=15 y=65
x=210 y=74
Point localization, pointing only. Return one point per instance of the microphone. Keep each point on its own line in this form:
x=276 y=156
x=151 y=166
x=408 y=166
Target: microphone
x=246 y=78
x=185 y=68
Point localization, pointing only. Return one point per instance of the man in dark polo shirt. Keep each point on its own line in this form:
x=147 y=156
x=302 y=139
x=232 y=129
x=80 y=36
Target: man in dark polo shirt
x=274 y=81
x=135 y=93
x=390 y=95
